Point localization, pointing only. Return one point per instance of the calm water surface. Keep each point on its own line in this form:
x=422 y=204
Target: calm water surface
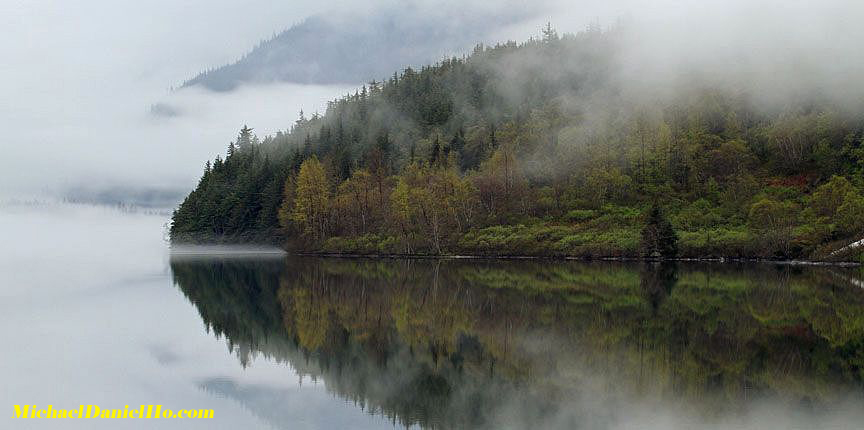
x=96 y=310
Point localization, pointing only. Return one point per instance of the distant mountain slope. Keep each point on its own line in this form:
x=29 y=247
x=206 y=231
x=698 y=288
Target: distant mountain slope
x=341 y=49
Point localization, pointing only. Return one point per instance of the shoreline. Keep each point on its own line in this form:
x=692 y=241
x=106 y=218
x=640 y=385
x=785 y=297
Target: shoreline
x=571 y=258
x=234 y=248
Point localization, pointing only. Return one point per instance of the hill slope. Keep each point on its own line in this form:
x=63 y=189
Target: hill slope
x=541 y=149
x=352 y=49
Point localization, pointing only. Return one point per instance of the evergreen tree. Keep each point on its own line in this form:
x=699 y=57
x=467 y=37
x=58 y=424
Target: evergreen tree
x=659 y=239
x=549 y=33
x=245 y=139
x=307 y=146
x=435 y=152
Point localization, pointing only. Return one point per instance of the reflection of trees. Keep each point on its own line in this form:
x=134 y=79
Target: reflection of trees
x=657 y=280
x=455 y=343
x=236 y=298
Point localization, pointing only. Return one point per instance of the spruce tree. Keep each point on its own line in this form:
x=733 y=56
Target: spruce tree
x=659 y=239
x=244 y=140
x=435 y=152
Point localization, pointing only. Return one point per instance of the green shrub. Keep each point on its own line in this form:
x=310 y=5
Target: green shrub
x=550 y=240
x=365 y=244
x=780 y=192
x=828 y=198
x=850 y=214
x=580 y=215
x=718 y=242
x=699 y=214
x=617 y=216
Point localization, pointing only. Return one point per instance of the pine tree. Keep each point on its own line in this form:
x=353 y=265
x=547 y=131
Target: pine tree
x=549 y=33
x=301 y=122
x=435 y=152
x=244 y=140
x=659 y=239
x=307 y=146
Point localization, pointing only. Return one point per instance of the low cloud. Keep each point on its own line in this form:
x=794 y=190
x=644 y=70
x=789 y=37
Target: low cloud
x=78 y=80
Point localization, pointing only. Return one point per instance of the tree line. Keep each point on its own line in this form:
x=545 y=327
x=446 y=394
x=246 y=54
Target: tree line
x=535 y=148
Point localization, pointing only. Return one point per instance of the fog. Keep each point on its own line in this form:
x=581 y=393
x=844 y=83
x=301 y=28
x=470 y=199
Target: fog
x=775 y=50
x=78 y=79
x=83 y=323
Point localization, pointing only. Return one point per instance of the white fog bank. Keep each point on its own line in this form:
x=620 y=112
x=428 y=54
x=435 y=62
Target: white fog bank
x=78 y=78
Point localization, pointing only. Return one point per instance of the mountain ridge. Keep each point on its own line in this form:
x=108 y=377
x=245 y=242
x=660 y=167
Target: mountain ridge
x=343 y=49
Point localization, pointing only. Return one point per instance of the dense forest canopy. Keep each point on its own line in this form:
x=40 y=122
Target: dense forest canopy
x=543 y=148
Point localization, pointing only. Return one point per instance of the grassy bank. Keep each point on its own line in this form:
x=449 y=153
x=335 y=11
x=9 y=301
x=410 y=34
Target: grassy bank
x=610 y=232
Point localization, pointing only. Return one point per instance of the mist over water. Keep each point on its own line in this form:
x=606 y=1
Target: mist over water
x=89 y=315
x=92 y=149
x=78 y=84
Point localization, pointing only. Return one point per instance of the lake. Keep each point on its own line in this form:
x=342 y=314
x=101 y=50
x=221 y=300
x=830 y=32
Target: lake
x=95 y=309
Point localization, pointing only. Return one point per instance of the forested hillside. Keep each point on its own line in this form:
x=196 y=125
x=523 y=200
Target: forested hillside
x=541 y=148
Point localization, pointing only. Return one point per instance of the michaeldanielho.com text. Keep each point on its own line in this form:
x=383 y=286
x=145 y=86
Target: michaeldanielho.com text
x=94 y=411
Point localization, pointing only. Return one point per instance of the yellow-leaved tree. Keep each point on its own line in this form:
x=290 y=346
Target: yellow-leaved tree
x=311 y=199
x=434 y=203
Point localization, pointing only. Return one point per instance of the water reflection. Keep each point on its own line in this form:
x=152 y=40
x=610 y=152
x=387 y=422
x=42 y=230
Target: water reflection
x=462 y=344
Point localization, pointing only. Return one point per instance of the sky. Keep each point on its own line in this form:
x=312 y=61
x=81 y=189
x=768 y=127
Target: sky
x=77 y=78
